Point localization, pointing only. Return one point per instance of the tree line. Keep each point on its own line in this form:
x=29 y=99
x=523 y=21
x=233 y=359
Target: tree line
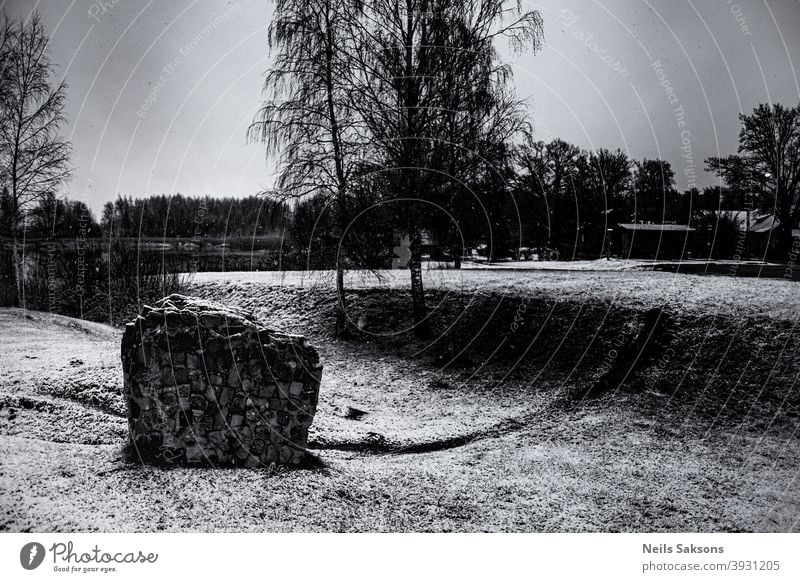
x=557 y=195
x=550 y=197
x=158 y=216
x=193 y=217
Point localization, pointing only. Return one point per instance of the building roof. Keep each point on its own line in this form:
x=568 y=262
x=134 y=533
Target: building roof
x=656 y=227
x=760 y=221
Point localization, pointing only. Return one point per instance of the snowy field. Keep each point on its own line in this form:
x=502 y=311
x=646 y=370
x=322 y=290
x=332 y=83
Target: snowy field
x=707 y=294
x=701 y=438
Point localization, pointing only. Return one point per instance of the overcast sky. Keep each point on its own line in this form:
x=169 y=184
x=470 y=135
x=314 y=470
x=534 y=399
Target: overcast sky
x=161 y=93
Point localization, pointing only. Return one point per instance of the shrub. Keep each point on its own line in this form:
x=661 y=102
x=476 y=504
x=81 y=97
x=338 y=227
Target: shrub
x=105 y=281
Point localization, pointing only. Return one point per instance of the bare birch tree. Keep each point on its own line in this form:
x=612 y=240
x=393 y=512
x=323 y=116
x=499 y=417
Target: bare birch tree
x=306 y=120
x=34 y=158
x=429 y=74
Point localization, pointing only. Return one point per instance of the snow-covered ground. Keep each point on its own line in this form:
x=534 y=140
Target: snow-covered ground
x=527 y=456
x=533 y=464
x=737 y=296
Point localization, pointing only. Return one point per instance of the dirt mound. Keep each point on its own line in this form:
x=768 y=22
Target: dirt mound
x=719 y=366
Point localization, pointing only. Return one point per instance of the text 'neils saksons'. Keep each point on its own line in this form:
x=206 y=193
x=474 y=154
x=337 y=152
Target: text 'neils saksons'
x=681 y=549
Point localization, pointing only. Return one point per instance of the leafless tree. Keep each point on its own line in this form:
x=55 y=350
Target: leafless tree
x=34 y=158
x=6 y=37
x=306 y=120
x=428 y=76
x=548 y=172
x=768 y=162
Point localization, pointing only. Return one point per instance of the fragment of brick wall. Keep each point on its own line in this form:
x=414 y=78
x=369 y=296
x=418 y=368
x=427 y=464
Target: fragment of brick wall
x=207 y=384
